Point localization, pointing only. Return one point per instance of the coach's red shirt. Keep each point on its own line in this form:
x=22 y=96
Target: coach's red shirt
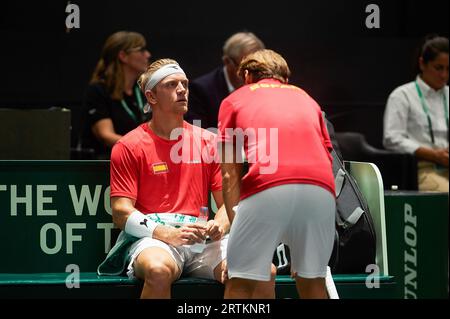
x=286 y=140
x=155 y=172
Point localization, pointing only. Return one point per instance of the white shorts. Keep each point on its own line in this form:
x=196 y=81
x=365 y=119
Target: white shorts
x=196 y=265
x=299 y=215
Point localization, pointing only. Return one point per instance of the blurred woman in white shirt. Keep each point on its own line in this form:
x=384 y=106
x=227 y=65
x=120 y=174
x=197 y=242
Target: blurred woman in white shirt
x=416 y=116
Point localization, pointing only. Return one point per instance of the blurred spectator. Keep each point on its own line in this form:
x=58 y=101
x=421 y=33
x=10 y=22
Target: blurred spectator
x=113 y=103
x=208 y=90
x=416 y=116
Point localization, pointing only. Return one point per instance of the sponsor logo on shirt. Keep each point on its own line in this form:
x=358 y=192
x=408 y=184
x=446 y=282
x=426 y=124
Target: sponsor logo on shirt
x=160 y=168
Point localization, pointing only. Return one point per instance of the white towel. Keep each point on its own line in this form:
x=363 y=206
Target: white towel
x=329 y=283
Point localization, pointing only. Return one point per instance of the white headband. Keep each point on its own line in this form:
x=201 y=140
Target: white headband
x=166 y=70
x=160 y=74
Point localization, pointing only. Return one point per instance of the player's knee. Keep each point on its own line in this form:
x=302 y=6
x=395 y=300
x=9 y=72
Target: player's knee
x=157 y=273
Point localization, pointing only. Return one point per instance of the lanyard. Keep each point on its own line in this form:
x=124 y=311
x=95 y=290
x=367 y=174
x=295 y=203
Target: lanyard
x=140 y=104
x=425 y=109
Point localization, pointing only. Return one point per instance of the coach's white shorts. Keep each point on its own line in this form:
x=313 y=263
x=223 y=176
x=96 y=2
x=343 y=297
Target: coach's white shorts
x=196 y=265
x=299 y=215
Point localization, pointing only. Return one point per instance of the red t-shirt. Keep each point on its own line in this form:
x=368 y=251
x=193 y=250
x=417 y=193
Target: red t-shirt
x=166 y=176
x=286 y=138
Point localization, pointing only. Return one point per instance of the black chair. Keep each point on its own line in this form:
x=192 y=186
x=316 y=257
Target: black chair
x=396 y=168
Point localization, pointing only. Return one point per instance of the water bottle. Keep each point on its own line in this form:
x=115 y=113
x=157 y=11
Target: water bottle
x=202 y=219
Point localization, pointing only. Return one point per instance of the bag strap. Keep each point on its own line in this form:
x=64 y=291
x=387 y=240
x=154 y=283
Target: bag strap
x=339 y=181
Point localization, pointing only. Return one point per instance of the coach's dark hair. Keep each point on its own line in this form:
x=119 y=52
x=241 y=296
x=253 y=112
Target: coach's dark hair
x=432 y=45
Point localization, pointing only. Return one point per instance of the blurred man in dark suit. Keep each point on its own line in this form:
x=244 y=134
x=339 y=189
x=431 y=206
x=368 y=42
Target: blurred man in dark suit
x=208 y=90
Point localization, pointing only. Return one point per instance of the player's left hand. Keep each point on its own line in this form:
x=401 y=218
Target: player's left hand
x=214 y=230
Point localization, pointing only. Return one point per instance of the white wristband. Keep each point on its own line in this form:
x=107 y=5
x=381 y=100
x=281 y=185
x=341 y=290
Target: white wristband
x=139 y=225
